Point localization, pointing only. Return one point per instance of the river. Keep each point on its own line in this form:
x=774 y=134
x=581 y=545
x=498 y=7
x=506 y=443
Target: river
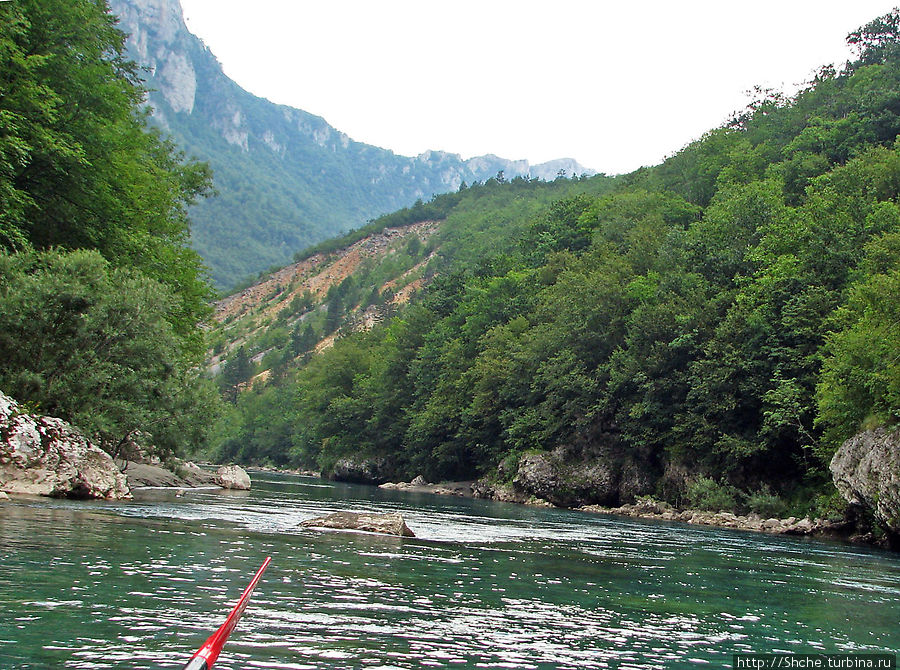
x=141 y=584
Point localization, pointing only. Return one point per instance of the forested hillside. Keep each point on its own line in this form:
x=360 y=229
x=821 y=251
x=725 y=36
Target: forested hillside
x=716 y=324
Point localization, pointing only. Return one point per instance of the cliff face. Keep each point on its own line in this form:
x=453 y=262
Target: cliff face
x=866 y=471
x=285 y=178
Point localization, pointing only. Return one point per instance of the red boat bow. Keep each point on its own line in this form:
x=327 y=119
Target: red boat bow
x=209 y=652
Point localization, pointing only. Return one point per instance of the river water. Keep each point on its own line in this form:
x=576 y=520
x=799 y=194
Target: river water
x=141 y=584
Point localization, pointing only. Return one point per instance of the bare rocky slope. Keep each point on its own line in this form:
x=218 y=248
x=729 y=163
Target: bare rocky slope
x=299 y=294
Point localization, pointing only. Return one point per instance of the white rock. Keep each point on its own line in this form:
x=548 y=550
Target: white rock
x=233 y=477
x=42 y=455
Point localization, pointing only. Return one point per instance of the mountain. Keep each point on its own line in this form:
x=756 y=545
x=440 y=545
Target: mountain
x=285 y=178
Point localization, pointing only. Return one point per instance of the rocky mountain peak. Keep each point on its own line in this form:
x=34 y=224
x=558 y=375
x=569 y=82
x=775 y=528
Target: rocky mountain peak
x=159 y=40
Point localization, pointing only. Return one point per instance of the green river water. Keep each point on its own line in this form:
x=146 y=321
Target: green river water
x=141 y=584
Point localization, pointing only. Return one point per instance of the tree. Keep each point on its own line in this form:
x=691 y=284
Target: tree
x=237 y=370
x=94 y=344
x=78 y=166
x=872 y=39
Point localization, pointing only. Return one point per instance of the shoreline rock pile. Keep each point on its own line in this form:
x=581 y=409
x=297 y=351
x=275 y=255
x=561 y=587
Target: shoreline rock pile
x=654 y=509
x=42 y=455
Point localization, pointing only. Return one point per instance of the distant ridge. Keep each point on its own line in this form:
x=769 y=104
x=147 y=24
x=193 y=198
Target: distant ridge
x=286 y=179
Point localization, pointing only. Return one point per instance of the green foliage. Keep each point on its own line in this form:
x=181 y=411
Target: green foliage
x=860 y=381
x=237 y=370
x=96 y=345
x=108 y=338
x=708 y=494
x=766 y=504
x=78 y=168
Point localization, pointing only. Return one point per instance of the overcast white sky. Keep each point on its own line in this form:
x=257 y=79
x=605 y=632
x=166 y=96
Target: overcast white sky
x=614 y=84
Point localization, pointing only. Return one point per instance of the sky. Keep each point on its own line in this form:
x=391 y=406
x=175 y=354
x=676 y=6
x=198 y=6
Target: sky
x=614 y=85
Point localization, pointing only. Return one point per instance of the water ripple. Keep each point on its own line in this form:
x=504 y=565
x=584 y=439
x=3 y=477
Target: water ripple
x=484 y=585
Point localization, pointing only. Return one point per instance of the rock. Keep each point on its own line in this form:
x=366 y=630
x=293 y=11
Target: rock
x=145 y=474
x=373 y=471
x=565 y=483
x=572 y=476
x=183 y=475
x=4 y=496
x=487 y=490
x=41 y=455
x=233 y=477
x=387 y=524
x=866 y=472
x=419 y=481
x=801 y=527
x=194 y=475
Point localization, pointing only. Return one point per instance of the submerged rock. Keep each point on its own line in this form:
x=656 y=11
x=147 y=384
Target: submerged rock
x=233 y=477
x=866 y=472
x=387 y=524
x=42 y=455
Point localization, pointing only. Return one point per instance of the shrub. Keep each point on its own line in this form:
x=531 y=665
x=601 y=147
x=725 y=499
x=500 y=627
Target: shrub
x=708 y=494
x=765 y=503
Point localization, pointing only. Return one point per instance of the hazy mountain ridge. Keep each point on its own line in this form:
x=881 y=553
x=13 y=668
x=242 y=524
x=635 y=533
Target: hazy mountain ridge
x=285 y=178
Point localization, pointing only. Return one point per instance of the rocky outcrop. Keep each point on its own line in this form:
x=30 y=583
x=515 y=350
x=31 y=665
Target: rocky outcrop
x=568 y=478
x=387 y=524
x=866 y=472
x=41 y=455
x=233 y=477
x=184 y=475
x=419 y=485
x=655 y=509
x=374 y=471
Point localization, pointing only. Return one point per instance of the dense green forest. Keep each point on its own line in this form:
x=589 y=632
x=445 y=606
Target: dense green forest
x=732 y=313
x=100 y=294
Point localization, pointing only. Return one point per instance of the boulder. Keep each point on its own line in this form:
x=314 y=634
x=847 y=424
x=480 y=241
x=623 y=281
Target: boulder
x=387 y=524
x=194 y=475
x=568 y=478
x=145 y=474
x=233 y=477
x=41 y=455
x=373 y=471
x=866 y=472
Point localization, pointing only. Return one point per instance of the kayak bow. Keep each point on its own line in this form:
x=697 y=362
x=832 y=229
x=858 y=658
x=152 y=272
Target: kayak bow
x=209 y=652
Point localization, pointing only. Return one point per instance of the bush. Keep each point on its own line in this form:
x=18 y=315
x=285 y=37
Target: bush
x=765 y=503
x=708 y=494
x=830 y=506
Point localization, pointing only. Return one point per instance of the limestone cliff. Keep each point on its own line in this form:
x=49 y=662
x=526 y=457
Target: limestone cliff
x=866 y=471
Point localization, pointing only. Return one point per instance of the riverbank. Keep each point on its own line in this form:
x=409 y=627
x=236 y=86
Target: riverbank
x=661 y=511
x=648 y=509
